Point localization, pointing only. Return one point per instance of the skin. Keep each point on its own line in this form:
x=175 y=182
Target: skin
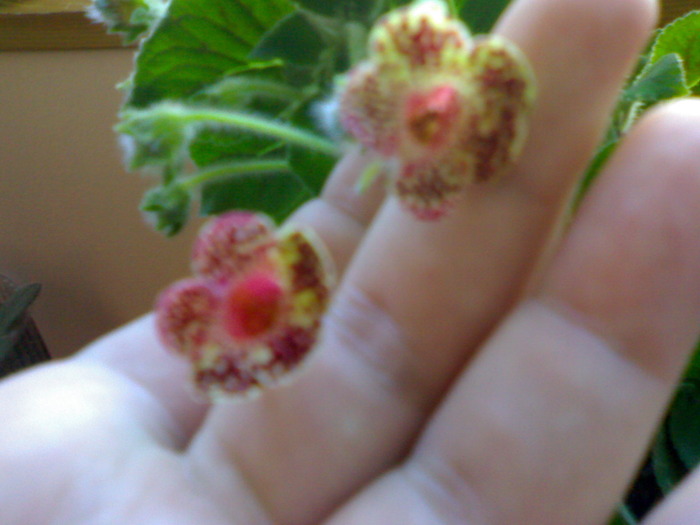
x=492 y=368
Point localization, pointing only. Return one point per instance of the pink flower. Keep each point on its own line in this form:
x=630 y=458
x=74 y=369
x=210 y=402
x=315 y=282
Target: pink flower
x=252 y=313
x=442 y=108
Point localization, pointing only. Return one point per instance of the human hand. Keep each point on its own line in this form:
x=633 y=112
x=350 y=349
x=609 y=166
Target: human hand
x=484 y=369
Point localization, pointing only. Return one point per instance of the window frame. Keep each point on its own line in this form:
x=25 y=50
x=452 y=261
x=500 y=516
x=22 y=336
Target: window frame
x=42 y=25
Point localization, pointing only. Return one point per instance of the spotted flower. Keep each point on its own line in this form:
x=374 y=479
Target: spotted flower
x=252 y=312
x=442 y=108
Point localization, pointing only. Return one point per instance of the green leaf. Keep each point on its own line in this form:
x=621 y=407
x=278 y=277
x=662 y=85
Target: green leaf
x=294 y=39
x=669 y=470
x=131 y=18
x=12 y=311
x=344 y=9
x=7 y=344
x=159 y=134
x=242 y=90
x=663 y=80
x=12 y=315
x=213 y=146
x=684 y=424
x=623 y=516
x=481 y=15
x=167 y=207
x=693 y=370
x=197 y=43
x=683 y=38
x=276 y=194
x=311 y=166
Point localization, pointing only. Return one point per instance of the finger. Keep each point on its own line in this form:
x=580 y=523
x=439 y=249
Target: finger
x=556 y=411
x=472 y=266
x=339 y=216
x=418 y=297
x=342 y=214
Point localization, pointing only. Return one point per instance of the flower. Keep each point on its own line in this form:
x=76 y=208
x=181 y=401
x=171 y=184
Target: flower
x=252 y=312
x=442 y=108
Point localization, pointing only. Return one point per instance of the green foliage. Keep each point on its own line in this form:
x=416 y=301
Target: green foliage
x=661 y=80
x=668 y=467
x=684 y=423
x=12 y=314
x=667 y=70
x=677 y=447
x=196 y=43
x=167 y=207
x=681 y=37
x=361 y=10
x=308 y=42
x=131 y=18
x=276 y=194
x=623 y=517
x=481 y=15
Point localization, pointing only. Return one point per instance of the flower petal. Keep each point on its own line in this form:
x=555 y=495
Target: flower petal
x=430 y=188
x=307 y=269
x=421 y=36
x=185 y=313
x=504 y=96
x=369 y=108
x=309 y=273
x=230 y=243
x=253 y=327
x=221 y=376
x=243 y=373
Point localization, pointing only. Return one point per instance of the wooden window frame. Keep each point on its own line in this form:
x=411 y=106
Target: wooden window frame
x=40 y=25
x=62 y=24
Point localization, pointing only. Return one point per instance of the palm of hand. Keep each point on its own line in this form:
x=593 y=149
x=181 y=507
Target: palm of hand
x=570 y=357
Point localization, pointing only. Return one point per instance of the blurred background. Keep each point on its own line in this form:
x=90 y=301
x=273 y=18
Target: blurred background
x=68 y=208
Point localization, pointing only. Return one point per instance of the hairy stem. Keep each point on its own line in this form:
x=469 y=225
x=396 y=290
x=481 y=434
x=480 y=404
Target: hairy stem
x=264 y=126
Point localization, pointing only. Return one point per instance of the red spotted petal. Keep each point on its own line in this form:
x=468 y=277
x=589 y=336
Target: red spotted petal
x=309 y=274
x=228 y=374
x=504 y=96
x=369 y=108
x=421 y=36
x=230 y=243
x=185 y=313
x=429 y=189
x=222 y=377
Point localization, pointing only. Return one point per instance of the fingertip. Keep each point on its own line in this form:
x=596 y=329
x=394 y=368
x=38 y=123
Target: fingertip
x=619 y=21
x=629 y=264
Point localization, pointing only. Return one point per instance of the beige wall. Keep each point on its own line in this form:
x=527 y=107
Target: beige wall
x=68 y=209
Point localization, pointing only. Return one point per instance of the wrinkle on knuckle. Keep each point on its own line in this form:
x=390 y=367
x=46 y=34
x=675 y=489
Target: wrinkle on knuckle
x=374 y=341
x=446 y=490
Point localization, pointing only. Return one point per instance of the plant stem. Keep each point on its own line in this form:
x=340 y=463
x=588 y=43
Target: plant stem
x=264 y=126
x=234 y=168
x=357 y=41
